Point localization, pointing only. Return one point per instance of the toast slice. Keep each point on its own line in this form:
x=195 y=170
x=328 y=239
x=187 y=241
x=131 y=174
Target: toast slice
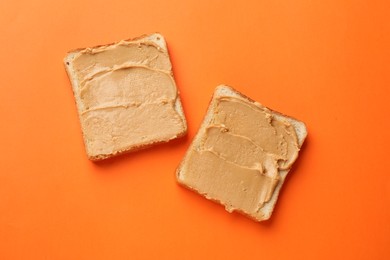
x=241 y=154
x=126 y=96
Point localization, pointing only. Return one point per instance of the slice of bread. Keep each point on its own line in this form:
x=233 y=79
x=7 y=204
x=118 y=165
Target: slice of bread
x=126 y=95
x=195 y=174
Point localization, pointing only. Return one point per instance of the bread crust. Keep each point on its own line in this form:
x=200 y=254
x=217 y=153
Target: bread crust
x=142 y=37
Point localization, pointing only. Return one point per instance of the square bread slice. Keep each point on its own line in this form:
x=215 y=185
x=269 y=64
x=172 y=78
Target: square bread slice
x=241 y=154
x=126 y=96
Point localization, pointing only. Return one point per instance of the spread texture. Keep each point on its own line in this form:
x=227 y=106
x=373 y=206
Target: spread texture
x=127 y=96
x=239 y=153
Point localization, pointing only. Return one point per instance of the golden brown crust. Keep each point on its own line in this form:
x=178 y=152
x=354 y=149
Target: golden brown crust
x=144 y=36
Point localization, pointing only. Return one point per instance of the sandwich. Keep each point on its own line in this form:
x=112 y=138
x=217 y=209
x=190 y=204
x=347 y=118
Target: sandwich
x=126 y=96
x=241 y=154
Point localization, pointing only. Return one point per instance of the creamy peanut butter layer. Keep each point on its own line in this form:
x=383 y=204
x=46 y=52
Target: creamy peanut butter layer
x=127 y=96
x=238 y=154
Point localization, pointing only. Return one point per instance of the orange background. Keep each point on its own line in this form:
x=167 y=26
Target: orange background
x=326 y=63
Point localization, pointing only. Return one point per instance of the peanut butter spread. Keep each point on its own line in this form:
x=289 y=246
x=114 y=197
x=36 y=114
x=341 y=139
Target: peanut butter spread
x=127 y=96
x=239 y=155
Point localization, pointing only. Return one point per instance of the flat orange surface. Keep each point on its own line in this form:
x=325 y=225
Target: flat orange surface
x=326 y=63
